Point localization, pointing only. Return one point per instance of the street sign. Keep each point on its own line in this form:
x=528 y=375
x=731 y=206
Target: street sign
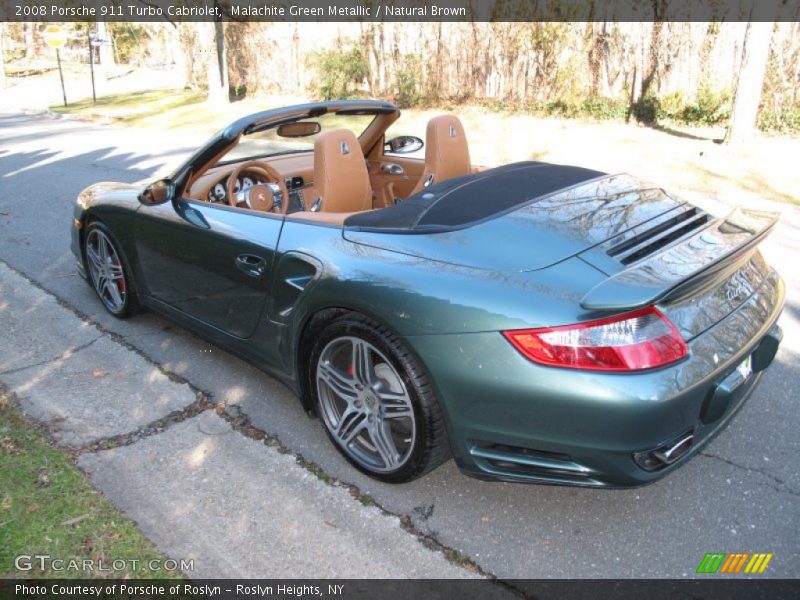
x=55 y=36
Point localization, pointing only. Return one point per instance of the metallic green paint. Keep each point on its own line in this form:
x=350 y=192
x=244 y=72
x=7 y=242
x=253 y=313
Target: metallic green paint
x=449 y=295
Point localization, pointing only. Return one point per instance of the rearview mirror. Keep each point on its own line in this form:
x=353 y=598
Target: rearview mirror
x=404 y=144
x=299 y=129
x=157 y=192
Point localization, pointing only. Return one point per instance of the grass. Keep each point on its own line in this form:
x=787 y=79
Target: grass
x=139 y=108
x=48 y=507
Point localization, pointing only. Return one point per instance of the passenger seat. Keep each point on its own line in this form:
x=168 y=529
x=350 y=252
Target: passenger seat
x=446 y=151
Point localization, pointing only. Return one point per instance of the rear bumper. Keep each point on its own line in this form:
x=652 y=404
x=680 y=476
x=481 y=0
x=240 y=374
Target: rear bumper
x=513 y=420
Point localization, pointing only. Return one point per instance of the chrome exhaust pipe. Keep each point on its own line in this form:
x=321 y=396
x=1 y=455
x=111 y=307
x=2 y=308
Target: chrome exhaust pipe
x=674 y=452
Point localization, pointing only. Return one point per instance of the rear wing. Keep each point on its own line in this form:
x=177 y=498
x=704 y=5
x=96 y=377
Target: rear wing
x=713 y=252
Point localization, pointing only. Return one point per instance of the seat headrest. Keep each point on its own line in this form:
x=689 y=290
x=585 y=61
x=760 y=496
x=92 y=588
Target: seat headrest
x=446 y=151
x=340 y=172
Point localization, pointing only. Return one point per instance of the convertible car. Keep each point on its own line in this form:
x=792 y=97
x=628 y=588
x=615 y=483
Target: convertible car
x=537 y=322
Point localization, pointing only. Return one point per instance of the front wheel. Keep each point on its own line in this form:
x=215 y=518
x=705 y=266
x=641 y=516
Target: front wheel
x=375 y=401
x=108 y=274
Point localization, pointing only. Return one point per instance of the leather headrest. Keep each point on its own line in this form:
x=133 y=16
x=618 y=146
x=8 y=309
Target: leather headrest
x=340 y=172
x=446 y=151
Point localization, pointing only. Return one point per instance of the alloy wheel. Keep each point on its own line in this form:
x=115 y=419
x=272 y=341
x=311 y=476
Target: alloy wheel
x=105 y=269
x=365 y=404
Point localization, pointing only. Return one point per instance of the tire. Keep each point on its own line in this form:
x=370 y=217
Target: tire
x=109 y=275
x=375 y=401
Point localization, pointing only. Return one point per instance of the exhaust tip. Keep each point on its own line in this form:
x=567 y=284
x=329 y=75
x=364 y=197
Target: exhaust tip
x=666 y=454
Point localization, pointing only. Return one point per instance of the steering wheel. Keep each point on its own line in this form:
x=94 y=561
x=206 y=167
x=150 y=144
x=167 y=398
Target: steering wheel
x=258 y=197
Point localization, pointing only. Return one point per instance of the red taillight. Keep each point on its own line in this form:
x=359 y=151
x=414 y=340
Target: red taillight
x=638 y=340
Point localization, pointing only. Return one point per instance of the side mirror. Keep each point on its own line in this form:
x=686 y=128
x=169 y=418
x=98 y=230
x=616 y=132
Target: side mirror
x=157 y=192
x=404 y=144
x=299 y=129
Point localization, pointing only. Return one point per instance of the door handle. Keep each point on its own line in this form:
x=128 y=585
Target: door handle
x=392 y=169
x=251 y=265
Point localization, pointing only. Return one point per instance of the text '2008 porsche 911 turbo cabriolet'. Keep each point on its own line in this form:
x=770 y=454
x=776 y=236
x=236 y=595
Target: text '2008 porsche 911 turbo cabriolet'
x=537 y=322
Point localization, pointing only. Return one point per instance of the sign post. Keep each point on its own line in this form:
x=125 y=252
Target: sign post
x=55 y=37
x=94 y=41
x=90 y=35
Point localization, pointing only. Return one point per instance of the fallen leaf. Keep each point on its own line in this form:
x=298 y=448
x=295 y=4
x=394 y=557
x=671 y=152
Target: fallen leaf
x=75 y=520
x=32 y=508
x=8 y=446
x=99 y=373
x=329 y=524
x=486 y=518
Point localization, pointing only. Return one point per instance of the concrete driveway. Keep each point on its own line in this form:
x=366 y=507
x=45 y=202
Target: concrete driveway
x=741 y=494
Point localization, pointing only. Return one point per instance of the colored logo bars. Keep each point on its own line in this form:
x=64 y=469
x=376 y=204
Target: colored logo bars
x=735 y=562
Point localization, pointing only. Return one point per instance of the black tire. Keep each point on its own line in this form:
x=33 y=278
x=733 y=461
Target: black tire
x=428 y=447
x=124 y=286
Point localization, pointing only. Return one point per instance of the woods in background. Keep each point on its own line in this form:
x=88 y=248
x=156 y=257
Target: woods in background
x=648 y=71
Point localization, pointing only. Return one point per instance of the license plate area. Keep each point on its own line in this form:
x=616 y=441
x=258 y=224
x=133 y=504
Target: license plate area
x=745 y=368
x=725 y=392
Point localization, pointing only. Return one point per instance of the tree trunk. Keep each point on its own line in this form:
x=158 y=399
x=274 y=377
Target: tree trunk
x=755 y=53
x=217 y=64
x=2 y=55
x=30 y=41
x=105 y=51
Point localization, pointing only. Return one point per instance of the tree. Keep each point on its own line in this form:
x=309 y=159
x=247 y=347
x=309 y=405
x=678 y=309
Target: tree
x=105 y=51
x=217 y=64
x=755 y=53
x=30 y=41
x=2 y=55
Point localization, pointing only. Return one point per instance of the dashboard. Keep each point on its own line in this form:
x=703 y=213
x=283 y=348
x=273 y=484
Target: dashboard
x=295 y=171
x=219 y=192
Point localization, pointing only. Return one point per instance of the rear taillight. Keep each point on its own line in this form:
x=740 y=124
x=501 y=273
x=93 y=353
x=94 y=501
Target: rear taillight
x=643 y=339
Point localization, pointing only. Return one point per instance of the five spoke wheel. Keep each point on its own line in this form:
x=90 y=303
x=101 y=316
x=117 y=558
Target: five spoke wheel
x=106 y=272
x=365 y=404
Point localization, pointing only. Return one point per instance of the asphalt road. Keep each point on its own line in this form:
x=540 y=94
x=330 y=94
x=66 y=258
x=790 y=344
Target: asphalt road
x=741 y=494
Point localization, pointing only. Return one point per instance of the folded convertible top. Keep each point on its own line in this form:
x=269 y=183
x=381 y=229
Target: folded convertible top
x=463 y=201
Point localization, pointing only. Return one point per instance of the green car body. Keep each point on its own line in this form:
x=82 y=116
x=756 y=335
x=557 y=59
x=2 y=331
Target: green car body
x=449 y=291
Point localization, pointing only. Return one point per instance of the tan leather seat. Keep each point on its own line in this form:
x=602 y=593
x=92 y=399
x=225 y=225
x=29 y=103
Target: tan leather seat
x=446 y=151
x=340 y=174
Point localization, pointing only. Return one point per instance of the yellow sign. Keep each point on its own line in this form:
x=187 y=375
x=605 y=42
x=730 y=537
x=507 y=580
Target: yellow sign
x=55 y=36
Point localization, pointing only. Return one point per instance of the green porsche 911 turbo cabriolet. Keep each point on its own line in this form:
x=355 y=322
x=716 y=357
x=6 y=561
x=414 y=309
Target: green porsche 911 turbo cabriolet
x=538 y=322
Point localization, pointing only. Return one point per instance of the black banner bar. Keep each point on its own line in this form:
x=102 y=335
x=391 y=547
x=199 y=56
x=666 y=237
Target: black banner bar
x=714 y=587
x=177 y=11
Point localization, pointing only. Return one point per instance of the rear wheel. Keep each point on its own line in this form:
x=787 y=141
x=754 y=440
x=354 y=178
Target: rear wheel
x=108 y=274
x=375 y=401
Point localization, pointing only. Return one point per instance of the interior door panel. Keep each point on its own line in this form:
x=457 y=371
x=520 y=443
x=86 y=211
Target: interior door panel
x=388 y=186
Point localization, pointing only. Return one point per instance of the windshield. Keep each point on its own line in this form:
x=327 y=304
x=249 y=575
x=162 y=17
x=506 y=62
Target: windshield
x=268 y=142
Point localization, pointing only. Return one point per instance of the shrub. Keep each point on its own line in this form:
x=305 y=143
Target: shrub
x=711 y=106
x=409 y=77
x=600 y=107
x=339 y=71
x=671 y=106
x=645 y=110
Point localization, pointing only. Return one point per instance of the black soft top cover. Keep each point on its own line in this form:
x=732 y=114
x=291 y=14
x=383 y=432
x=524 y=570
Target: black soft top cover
x=463 y=201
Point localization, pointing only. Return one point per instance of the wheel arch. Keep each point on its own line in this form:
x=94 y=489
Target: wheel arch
x=313 y=323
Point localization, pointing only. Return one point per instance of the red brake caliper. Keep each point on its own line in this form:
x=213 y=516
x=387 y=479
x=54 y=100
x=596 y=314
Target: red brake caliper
x=120 y=281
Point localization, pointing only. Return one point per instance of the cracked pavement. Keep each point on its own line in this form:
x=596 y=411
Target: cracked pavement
x=160 y=453
x=739 y=494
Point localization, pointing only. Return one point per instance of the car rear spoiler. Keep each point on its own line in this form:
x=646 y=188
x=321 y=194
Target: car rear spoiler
x=713 y=252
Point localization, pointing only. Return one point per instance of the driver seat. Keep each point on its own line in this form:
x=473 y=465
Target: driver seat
x=340 y=174
x=446 y=152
